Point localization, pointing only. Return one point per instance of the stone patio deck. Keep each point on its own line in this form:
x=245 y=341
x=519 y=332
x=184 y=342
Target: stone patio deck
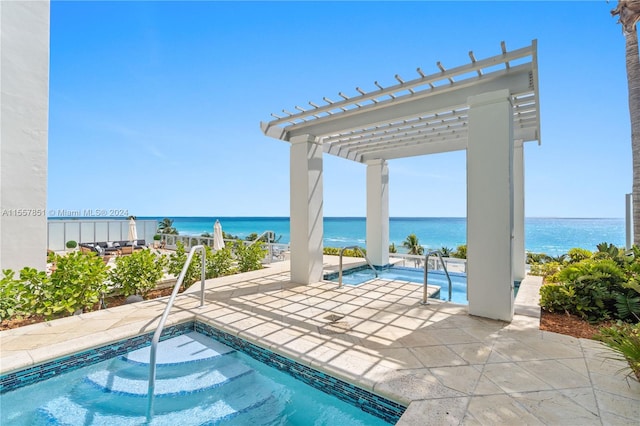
x=447 y=366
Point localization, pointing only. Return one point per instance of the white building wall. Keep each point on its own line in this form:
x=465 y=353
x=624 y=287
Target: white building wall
x=24 y=108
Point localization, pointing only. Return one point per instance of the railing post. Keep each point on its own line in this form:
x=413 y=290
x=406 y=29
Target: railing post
x=425 y=300
x=375 y=271
x=426 y=268
x=203 y=275
x=340 y=269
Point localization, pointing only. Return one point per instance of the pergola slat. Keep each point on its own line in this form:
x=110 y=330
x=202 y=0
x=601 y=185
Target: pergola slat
x=383 y=122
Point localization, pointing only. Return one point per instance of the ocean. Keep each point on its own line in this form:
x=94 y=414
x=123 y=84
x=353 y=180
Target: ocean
x=552 y=236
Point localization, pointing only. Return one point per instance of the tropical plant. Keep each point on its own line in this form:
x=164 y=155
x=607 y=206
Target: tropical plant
x=578 y=254
x=227 y=236
x=561 y=258
x=546 y=269
x=10 y=297
x=137 y=273
x=537 y=258
x=412 y=244
x=460 y=252
x=165 y=226
x=393 y=248
x=628 y=12
x=624 y=340
x=601 y=287
x=249 y=257
x=157 y=237
x=219 y=263
x=176 y=262
x=446 y=251
x=77 y=284
x=335 y=251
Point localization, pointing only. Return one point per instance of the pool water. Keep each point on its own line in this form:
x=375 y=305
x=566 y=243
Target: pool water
x=358 y=276
x=200 y=381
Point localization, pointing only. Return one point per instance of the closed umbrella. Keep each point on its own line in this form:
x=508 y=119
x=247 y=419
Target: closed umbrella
x=133 y=232
x=218 y=242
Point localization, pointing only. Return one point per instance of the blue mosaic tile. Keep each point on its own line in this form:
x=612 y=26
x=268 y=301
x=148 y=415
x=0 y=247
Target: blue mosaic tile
x=18 y=379
x=371 y=403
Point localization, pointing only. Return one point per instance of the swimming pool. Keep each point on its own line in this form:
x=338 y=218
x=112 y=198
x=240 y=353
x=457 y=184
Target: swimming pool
x=205 y=376
x=360 y=275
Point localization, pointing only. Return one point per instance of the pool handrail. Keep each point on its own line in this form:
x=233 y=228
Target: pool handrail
x=355 y=248
x=271 y=236
x=165 y=314
x=426 y=269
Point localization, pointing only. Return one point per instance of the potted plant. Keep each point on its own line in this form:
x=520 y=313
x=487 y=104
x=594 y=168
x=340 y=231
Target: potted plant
x=71 y=244
x=156 y=240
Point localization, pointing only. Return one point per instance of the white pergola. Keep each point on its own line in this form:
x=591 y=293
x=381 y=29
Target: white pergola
x=487 y=107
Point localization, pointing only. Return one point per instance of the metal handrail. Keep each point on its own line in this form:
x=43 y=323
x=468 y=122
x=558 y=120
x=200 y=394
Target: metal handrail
x=158 y=332
x=375 y=271
x=271 y=236
x=426 y=269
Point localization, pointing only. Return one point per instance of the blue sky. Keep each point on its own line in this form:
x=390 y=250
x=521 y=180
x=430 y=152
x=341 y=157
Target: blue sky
x=155 y=107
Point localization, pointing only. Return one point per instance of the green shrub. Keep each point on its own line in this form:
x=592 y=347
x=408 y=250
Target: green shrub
x=10 y=295
x=71 y=244
x=335 y=251
x=624 y=339
x=249 y=257
x=460 y=252
x=546 y=270
x=77 y=284
x=219 y=263
x=176 y=262
x=537 y=258
x=137 y=273
x=157 y=237
x=557 y=298
x=446 y=251
x=578 y=255
x=597 y=289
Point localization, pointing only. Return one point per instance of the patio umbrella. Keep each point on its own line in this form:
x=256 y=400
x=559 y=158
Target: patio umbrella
x=218 y=242
x=133 y=232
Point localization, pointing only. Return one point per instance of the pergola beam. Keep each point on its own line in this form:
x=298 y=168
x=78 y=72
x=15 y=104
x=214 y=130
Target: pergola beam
x=440 y=99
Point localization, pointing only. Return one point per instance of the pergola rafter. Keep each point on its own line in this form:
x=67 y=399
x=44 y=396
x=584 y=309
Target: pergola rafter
x=417 y=116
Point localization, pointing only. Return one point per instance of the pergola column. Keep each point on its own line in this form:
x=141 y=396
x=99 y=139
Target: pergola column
x=519 y=254
x=306 y=209
x=378 y=212
x=490 y=205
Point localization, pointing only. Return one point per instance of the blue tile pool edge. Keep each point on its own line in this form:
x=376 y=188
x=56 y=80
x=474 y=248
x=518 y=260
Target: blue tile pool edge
x=366 y=401
x=17 y=379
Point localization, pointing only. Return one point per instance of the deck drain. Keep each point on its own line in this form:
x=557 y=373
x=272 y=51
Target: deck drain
x=339 y=327
x=334 y=317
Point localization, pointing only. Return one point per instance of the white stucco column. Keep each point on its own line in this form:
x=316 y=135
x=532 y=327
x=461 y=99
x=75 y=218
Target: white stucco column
x=24 y=112
x=306 y=210
x=490 y=206
x=378 y=212
x=519 y=254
